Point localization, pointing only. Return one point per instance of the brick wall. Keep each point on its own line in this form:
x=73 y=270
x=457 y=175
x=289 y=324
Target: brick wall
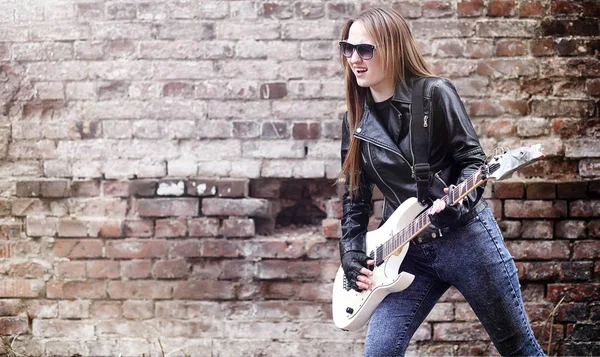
x=149 y=150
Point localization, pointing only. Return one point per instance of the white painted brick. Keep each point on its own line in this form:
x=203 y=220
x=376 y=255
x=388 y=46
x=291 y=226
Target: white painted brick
x=239 y=109
x=214 y=168
x=182 y=168
x=171 y=188
x=256 y=69
x=81 y=91
x=57 y=168
x=117 y=129
x=308 y=109
x=246 y=31
x=183 y=70
x=276 y=168
x=246 y=168
x=151 y=169
x=324 y=150
x=32 y=168
x=87 y=168
x=210 y=150
x=273 y=149
x=50 y=90
x=308 y=169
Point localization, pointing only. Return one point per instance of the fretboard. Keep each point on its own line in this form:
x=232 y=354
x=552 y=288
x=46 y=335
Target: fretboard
x=422 y=221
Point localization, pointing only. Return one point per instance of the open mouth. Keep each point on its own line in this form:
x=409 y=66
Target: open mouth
x=360 y=71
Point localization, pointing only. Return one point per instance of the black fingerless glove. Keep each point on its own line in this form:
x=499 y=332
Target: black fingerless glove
x=352 y=262
x=448 y=217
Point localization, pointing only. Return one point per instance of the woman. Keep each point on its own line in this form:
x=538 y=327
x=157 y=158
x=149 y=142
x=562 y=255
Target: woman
x=464 y=247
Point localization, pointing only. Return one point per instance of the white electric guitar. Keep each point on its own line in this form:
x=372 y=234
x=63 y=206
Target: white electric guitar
x=388 y=244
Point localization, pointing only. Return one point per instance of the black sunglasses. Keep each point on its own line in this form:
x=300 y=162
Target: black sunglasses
x=365 y=51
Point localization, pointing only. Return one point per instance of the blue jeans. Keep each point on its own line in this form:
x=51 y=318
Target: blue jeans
x=474 y=259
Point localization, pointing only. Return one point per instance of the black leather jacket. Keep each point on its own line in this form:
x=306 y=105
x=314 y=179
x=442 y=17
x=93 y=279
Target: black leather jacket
x=454 y=155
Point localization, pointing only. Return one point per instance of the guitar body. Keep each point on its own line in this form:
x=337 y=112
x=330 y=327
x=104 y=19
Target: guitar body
x=352 y=309
x=388 y=244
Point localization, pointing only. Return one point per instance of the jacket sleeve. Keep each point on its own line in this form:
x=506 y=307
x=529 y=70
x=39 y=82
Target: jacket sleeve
x=462 y=138
x=356 y=210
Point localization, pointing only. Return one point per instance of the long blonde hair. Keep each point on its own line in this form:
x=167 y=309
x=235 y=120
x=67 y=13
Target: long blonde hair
x=399 y=53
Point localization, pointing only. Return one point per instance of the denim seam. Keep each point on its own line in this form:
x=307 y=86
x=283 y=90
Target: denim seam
x=521 y=310
x=413 y=314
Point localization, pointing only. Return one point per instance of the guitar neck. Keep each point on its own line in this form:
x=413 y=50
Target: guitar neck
x=421 y=222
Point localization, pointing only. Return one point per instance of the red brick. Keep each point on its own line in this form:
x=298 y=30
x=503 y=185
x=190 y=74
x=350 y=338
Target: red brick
x=470 y=8
x=571 y=312
x=27 y=269
x=539 y=249
x=28 y=189
x=107 y=228
x=556 y=271
x=186 y=249
x=14 y=325
x=205 y=290
x=6 y=249
x=510 y=229
x=103 y=269
x=233 y=188
x=573 y=292
x=570 y=190
x=587 y=249
x=116 y=188
x=275 y=90
x=510 y=48
x=171 y=269
x=136 y=269
x=323 y=249
x=105 y=309
x=75 y=290
x=541 y=191
x=178 y=89
x=538 y=229
x=140 y=290
x=136 y=249
x=237 y=269
x=501 y=8
x=531 y=9
x=265 y=188
x=304 y=270
x=542 y=47
x=508 y=189
x=219 y=248
x=139 y=228
x=76 y=248
x=138 y=310
x=238 y=227
x=11 y=307
x=203 y=227
x=72 y=227
x=535 y=209
x=10 y=230
x=331 y=228
x=20 y=288
x=571 y=229
x=55 y=189
x=89 y=188
x=171 y=228
x=306 y=131
x=584 y=208
x=201 y=188
x=70 y=270
x=163 y=207
x=143 y=188
x=594 y=229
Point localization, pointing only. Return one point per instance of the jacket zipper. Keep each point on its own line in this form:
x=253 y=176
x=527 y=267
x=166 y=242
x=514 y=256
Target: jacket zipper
x=386 y=185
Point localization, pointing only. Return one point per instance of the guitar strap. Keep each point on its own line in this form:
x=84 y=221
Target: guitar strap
x=420 y=132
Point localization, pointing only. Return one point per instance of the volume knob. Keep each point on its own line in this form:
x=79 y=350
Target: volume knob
x=349 y=310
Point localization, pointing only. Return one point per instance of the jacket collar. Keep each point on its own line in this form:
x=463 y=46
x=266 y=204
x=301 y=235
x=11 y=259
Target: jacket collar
x=403 y=92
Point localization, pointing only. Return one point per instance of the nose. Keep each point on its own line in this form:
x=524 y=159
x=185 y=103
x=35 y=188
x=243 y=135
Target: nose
x=355 y=58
